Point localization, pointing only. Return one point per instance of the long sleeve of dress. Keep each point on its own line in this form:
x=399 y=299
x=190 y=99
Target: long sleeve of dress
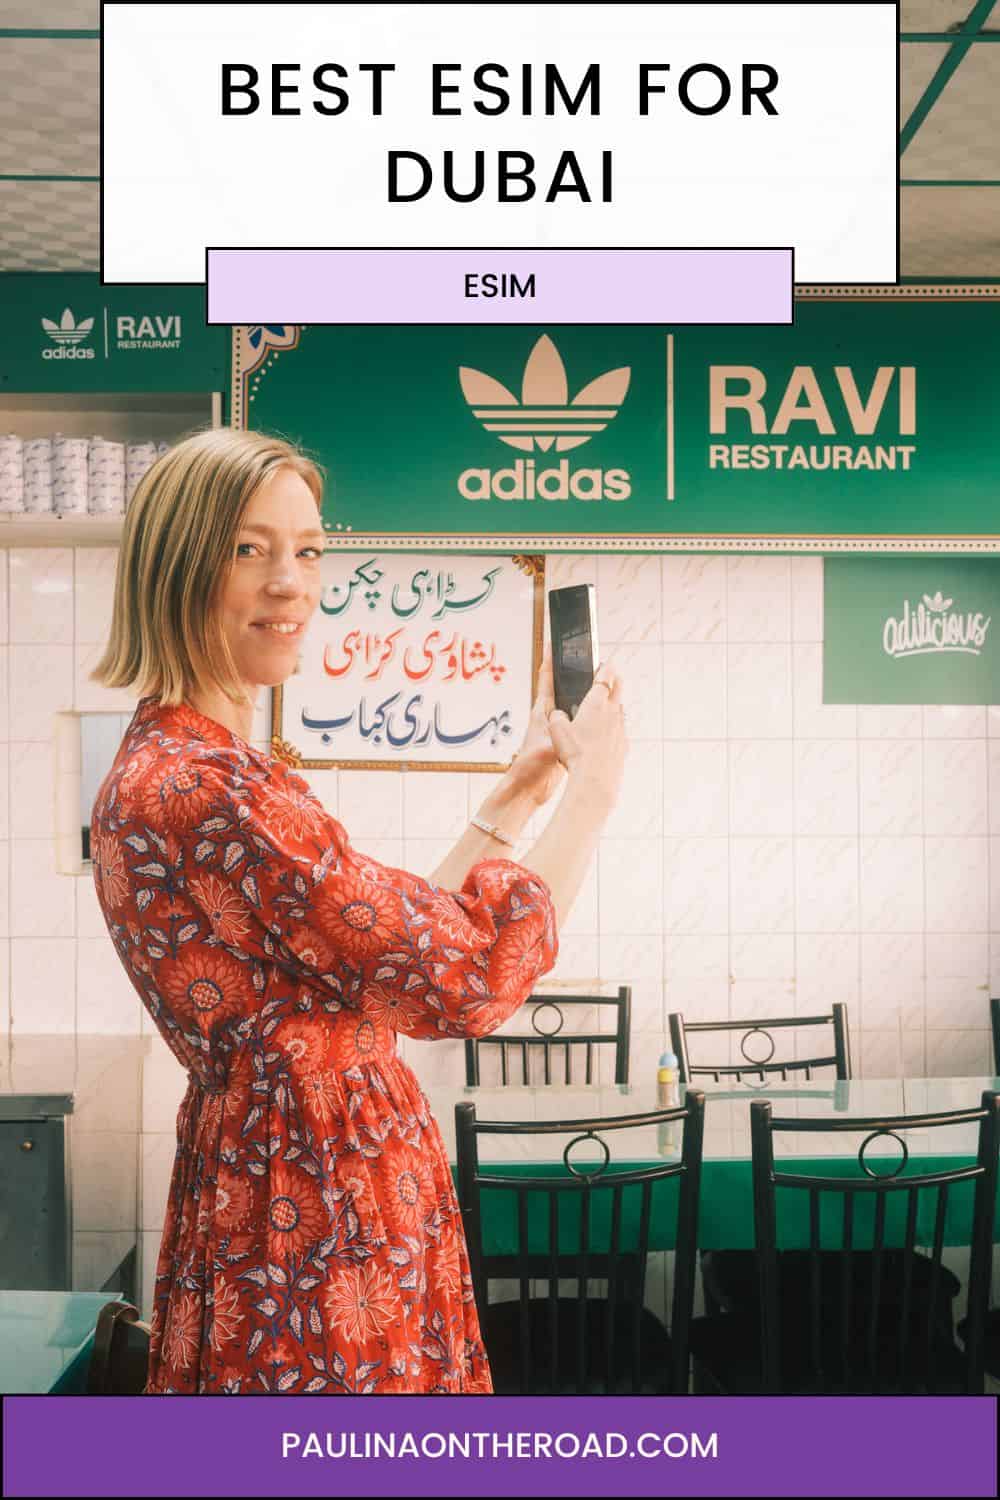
x=276 y=879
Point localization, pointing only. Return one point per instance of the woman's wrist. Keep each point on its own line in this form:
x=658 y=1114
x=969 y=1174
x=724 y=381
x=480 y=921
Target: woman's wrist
x=589 y=793
x=508 y=806
x=523 y=781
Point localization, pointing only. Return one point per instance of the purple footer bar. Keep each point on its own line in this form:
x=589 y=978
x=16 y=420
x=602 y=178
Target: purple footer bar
x=562 y=1445
x=499 y=286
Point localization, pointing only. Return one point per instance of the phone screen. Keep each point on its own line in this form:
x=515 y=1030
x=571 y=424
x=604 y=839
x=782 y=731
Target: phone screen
x=573 y=621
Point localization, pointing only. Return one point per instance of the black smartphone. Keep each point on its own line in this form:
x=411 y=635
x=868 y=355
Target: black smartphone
x=575 y=650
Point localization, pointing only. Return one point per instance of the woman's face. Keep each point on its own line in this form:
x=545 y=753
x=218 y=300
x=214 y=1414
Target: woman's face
x=275 y=579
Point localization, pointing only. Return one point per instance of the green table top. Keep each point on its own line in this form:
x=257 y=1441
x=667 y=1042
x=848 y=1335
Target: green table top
x=46 y=1340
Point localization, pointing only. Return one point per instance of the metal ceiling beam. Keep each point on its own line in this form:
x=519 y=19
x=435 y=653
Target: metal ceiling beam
x=946 y=69
x=948 y=36
x=49 y=33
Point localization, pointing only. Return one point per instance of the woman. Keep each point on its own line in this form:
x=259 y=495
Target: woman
x=312 y=1240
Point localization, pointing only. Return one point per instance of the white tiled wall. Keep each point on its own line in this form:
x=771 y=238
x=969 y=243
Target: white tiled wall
x=769 y=853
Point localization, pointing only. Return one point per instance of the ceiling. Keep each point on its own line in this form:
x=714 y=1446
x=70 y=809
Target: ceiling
x=949 y=137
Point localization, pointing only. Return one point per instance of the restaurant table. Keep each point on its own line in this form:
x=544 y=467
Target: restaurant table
x=46 y=1340
x=726 y=1210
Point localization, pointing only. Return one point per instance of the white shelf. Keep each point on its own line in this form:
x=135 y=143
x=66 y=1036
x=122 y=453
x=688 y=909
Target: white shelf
x=119 y=416
x=60 y=531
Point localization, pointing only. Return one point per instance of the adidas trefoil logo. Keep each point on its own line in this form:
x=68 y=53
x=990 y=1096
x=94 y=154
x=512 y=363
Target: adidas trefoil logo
x=66 y=335
x=545 y=417
x=66 y=331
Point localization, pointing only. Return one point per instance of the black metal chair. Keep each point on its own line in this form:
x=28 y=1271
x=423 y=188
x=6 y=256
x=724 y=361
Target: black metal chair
x=991 y=1329
x=119 y=1364
x=548 y=1040
x=729 y=1277
x=583 y=1225
x=991 y=1340
x=762 y=1068
x=869 y=1324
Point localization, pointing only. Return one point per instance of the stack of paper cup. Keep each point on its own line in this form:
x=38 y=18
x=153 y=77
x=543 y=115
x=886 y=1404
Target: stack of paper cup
x=69 y=475
x=38 y=497
x=11 y=472
x=138 y=458
x=105 y=478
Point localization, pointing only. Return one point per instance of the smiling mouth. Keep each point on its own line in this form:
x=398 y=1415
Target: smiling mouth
x=287 y=628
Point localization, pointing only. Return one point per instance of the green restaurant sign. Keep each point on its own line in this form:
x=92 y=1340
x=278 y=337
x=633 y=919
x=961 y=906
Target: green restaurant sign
x=871 y=417
x=866 y=425
x=911 y=630
x=65 y=333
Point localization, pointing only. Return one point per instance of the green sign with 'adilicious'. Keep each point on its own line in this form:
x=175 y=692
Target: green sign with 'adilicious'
x=911 y=630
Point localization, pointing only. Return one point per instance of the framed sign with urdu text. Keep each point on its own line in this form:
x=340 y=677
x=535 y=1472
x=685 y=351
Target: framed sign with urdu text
x=415 y=662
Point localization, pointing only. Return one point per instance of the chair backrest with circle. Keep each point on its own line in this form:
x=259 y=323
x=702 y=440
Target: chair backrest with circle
x=552 y=1045
x=758 y=1048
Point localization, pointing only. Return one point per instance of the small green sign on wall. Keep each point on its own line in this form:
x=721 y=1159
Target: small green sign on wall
x=911 y=630
x=68 y=332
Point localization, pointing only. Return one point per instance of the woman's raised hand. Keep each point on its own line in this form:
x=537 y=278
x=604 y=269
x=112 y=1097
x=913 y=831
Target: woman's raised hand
x=537 y=768
x=593 y=745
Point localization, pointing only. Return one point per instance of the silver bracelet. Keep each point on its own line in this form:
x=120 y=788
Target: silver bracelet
x=493 y=831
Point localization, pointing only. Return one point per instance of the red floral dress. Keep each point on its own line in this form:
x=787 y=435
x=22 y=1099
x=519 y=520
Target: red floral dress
x=312 y=1240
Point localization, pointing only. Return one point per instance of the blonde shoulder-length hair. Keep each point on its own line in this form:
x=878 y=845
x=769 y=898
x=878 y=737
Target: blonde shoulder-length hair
x=178 y=545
